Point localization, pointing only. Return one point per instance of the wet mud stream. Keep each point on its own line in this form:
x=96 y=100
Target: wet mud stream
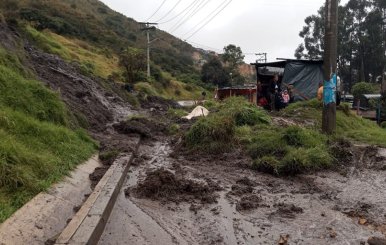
x=248 y=207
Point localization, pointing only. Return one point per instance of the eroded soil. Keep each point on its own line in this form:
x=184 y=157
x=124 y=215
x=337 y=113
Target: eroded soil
x=331 y=207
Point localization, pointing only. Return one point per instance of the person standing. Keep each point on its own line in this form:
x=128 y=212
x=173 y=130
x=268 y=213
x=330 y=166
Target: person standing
x=274 y=90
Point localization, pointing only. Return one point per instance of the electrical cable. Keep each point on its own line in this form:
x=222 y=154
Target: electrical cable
x=165 y=15
x=192 y=8
x=199 y=7
x=162 y=4
x=183 y=11
x=209 y=20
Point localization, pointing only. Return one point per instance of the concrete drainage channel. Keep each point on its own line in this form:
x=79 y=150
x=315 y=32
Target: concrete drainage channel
x=88 y=224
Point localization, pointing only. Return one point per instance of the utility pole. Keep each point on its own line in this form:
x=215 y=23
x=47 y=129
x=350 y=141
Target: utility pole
x=261 y=57
x=148 y=27
x=329 y=67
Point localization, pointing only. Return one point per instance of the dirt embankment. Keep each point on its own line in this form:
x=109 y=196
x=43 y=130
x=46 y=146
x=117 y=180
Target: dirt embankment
x=85 y=97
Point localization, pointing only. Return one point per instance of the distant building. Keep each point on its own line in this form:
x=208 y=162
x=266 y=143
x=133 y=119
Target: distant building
x=246 y=91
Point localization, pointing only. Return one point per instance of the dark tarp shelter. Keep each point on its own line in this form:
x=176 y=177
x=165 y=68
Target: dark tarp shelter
x=303 y=75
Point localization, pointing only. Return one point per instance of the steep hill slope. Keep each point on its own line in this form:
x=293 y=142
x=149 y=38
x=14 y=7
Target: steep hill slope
x=40 y=140
x=93 y=22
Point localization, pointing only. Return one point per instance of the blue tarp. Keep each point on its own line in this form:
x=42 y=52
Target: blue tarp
x=304 y=77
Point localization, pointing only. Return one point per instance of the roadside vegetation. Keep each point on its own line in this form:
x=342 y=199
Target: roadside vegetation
x=40 y=140
x=281 y=150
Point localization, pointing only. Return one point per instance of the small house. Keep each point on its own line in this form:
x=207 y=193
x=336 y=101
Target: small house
x=246 y=91
x=302 y=76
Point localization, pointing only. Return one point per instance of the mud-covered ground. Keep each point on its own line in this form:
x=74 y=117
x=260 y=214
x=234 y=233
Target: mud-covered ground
x=161 y=202
x=171 y=198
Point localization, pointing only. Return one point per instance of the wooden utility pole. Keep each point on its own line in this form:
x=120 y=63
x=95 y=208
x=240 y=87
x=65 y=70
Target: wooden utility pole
x=329 y=67
x=148 y=27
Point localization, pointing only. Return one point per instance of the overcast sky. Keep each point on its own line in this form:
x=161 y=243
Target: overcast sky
x=269 y=26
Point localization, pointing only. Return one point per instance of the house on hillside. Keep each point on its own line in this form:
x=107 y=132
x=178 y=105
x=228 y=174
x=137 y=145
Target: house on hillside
x=302 y=76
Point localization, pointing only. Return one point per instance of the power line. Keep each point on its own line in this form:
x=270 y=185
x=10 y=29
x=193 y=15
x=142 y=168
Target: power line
x=205 y=46
x=193 y=7
x=165 y=15
x=209 y=19
x=218 y=7
x=183 y=11
x=199 y=7
x=162 y=4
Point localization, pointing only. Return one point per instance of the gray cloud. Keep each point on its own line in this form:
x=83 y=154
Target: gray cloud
x=270 y=26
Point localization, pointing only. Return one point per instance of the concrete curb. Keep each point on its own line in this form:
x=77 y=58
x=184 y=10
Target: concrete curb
x=44 y=216
x=88 y=224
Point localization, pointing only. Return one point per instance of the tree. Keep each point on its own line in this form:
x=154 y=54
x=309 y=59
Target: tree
x=233 y=57
x=361 y=40
x=362 y=88
x=214 y=72
x=133 y=60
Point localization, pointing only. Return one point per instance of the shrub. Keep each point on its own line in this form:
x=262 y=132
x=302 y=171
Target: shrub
x=243 y=112
x=362 y=88
x=383 y=125
x=267 y=143
x=266 y=164
x=146 y=88
x=176 y=113
x=214 y=134
x=189 y=87
x=297 y=136
x=177 y=92
x=299 y=160
x=173 y=129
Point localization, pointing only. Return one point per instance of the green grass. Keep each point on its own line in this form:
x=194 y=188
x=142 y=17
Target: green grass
x=92 y=60
x=37 y=147
x=276 y=150
x=213 y=134
x=176 y=113
x=348 y=125
x=217 y=132
x=280 y=150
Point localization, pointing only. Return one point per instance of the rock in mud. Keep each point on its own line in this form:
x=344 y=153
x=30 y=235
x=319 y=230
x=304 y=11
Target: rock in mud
x=164 y=185
x=288 y=211
x=239 y=190
x=248 y=203
x=140 y=125
x=97 y=175
x=245 y=181
x=283 y=239
x=376 y=241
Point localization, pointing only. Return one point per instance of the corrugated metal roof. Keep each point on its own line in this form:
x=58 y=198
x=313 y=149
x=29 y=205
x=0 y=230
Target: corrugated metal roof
x=372 y=96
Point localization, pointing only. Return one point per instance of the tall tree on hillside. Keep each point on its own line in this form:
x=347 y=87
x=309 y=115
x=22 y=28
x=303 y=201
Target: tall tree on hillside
x=133 y=60
x=233 y=57
x=214 y=72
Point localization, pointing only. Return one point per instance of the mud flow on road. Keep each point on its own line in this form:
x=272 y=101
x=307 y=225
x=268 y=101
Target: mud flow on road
x=188 y=200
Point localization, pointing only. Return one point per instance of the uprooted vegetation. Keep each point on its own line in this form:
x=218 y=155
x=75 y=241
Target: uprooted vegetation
x=217 y=132
x=141 y=125
x=281 y=149
x=164 y=185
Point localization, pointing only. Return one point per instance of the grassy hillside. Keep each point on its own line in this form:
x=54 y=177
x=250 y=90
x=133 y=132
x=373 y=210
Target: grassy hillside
x=37 y=146
x=93 y=22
